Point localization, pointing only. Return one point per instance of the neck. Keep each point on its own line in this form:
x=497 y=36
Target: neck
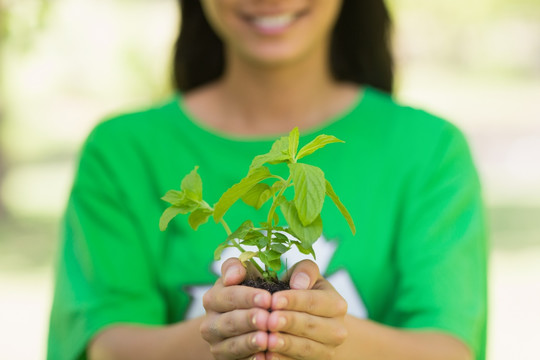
x=280 y=97
x=252 y=99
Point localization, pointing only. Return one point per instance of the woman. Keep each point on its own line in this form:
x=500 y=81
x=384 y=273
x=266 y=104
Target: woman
x=416 y=265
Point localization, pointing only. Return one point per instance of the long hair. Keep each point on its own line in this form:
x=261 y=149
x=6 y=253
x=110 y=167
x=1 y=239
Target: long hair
x=359 y=51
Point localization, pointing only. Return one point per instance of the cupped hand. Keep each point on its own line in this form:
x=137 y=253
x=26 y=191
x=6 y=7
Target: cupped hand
x=236 y=318
x=308 y=321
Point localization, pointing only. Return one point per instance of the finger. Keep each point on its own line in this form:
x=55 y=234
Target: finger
x=233 y=272
x=218 y=327
x=238 y=347
x=289 y=346
x=329 y=331
x=322 y=300
x=257 y=356
x=223 y=299
x=303 y=275
x=276 y=356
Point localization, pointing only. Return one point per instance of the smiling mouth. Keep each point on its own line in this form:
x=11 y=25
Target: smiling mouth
x=274 y=23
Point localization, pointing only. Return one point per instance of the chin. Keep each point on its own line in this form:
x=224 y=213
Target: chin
x=275 y=56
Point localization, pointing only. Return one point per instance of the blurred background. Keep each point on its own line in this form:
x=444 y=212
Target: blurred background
x=66 y=64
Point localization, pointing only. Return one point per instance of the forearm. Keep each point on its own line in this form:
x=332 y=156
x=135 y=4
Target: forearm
x=181 y=341
x=368 y=340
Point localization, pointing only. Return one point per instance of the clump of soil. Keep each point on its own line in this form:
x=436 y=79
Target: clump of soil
x=269 y=286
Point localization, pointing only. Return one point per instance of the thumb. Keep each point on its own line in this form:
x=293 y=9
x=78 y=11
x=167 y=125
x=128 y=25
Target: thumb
x=232 y=272
x=303 y=275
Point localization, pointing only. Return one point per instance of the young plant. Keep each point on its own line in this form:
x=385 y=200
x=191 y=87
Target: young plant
x=269 y=240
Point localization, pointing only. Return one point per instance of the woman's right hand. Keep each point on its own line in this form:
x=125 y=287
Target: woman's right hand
x=236 y=318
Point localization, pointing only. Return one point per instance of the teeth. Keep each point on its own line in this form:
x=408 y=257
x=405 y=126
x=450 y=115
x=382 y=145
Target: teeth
x=272 y=22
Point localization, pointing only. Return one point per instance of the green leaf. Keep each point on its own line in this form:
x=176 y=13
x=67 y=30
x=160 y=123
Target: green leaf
x=179 y=199
x=263 y=242
x=317 y=143
x=290 y=232
x=330 y=192
x=187 y=206
x=280 y=248
x=277 y=186
x=192 y=185
x=252 y=238
x=246 y=255
x=174 y=210
x=306 y=234
x=167 y=216
x=199 y=217
x=278 y=153
x=294 y=136
x=305 y=251
x=242 y=231
x=275 y=217
x=257 y=195
x=174 y=197
x=281 y=199
x=279 y=237
x=275 y=264
x=264 y=258
x=220 y=248
x=238 y=190
x=309 y=191
x=272 y=255
x=271 y=258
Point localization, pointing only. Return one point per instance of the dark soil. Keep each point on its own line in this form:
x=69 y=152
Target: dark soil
x=270 y=286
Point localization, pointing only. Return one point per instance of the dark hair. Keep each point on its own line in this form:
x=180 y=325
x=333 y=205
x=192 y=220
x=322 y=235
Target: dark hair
x=360 y=46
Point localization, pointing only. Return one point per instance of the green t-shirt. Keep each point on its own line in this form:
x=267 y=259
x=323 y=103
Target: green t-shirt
x=418 y=259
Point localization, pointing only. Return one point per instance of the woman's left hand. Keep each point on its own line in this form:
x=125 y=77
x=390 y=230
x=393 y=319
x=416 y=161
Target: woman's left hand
x=307 y=322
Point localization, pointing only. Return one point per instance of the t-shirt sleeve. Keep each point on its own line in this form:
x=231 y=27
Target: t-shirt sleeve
x=441 y=252
x=104 y=275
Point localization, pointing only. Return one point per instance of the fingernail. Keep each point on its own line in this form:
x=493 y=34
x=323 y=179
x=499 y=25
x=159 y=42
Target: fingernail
x=300 y=281
x=256 y=339
x=259 y=300
x=282 y=322
x=254 y=319
x=280 y=343
x=281 y=302
x=231 y=272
